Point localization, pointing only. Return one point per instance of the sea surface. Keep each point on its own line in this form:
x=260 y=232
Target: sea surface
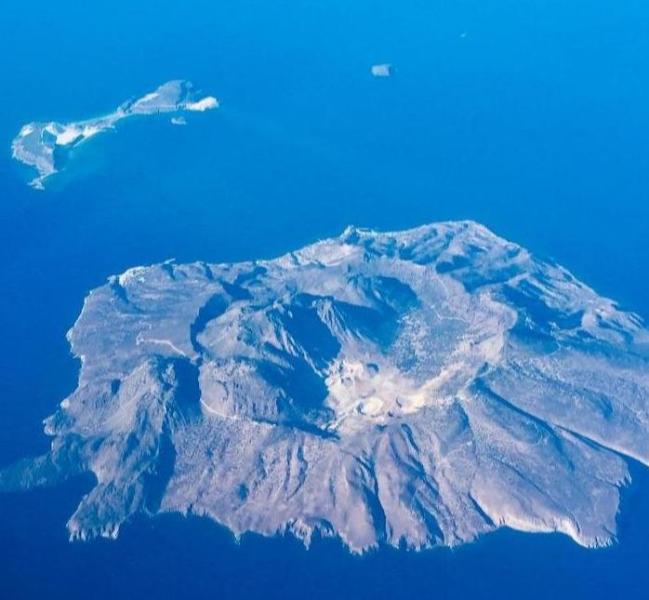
x=530 y=116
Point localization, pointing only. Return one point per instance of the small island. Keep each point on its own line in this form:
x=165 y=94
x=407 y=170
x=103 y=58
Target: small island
x=42 y=145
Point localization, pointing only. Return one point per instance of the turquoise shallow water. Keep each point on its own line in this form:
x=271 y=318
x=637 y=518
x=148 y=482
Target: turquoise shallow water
x=530 y=117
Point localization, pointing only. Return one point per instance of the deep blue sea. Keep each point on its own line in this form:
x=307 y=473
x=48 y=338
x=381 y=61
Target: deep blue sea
x=530 y=116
